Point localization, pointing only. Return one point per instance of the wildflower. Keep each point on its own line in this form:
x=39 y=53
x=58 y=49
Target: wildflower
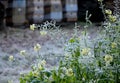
x=23 y=52
x=43 y=62
x=32 y=27
x=11 y=58
x=85 y=51
x=69 y=72
x=35 y=73
x=37 y=47
x=109 y=12
x=113 y=45
x=43 y=32
x=100 y=0
x=40 y=67
x=108 y=58
x=112 y=18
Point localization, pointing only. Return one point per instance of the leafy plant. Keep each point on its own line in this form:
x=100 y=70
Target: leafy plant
x=82 y=62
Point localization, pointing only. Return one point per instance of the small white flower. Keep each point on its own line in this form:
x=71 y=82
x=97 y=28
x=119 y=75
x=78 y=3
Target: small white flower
x=32 y=27
x=11 y=58
x=109 y=12
x=23 y=52
x=37 y=47
x=85 y=51
x=69 y=72
x=43 y=32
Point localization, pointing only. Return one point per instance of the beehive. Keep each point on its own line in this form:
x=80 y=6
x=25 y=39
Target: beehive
x=70 y=10
x=56 y=10
x=19 y=12
x=35 y=11
x=47 y=10
x=71 y=5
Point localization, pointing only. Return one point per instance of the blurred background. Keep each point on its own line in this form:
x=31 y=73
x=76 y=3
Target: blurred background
x=21 y=12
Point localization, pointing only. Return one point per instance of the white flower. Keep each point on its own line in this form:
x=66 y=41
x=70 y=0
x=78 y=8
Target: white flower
x=113 y=45
x=43 y=32
x=109 y=12
x=32 y=27
x=85 y=51
x=37 y=47
x=112 y=18
x=108 y=58
x=11 y=58
x=23 y=52
x=69 y=72
x=35 y=73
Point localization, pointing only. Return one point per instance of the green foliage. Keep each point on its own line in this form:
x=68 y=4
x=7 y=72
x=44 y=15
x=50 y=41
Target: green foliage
x=84 y=63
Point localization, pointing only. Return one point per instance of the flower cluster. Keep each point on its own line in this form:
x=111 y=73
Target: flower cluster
x=108 y=58
x=112 y=18
x=37 y=68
